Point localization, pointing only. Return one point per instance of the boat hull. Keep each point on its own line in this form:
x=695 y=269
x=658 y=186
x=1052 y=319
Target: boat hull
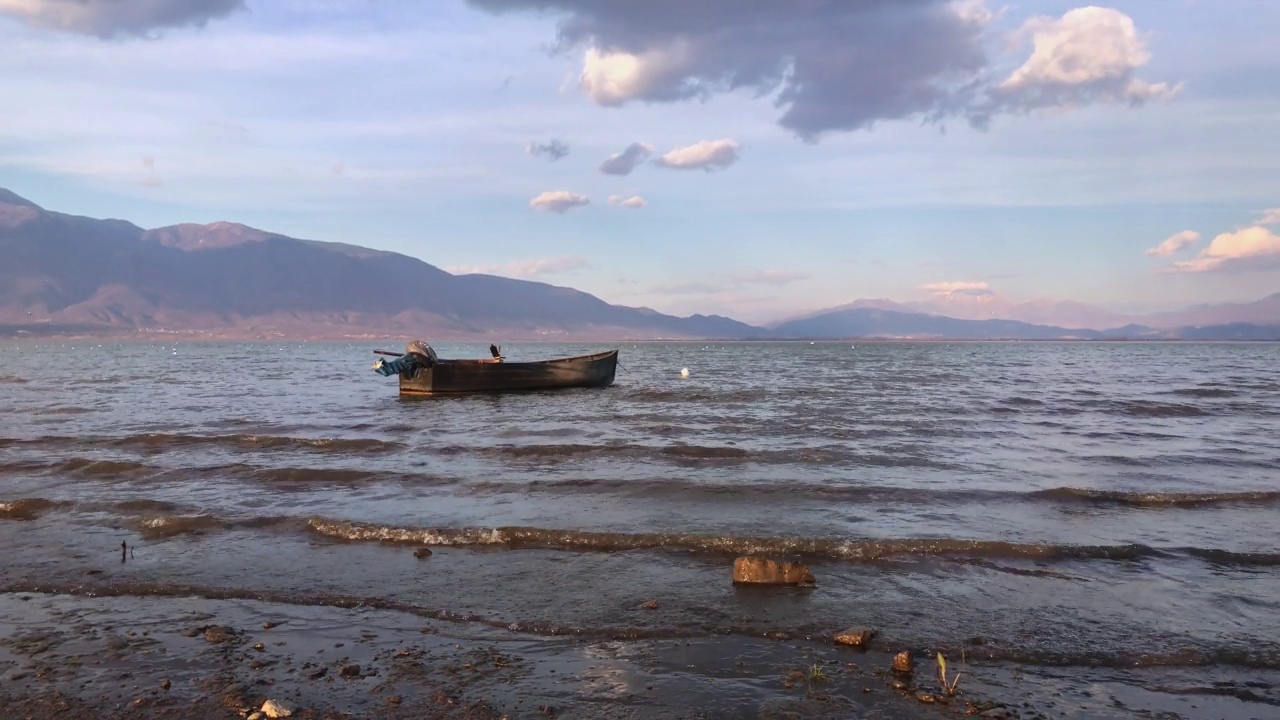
x=448 y=377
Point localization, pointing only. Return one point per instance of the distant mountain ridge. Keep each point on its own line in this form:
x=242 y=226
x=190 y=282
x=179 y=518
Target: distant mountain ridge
x=860 y=322
x=1066 y=313
x=68 y=275
x=64 y=272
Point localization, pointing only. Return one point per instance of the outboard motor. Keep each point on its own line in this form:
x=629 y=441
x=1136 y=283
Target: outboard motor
x=422 y=352
x=418 y=354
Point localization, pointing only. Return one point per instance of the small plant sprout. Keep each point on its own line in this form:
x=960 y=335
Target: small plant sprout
x=817 y=674
x=949 y=687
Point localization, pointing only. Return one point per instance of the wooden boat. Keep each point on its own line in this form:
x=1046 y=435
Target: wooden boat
x=422 y=373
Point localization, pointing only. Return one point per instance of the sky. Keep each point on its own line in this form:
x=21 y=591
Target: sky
x=753 y=158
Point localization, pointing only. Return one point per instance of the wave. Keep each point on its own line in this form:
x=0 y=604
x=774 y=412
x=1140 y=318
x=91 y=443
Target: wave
x=162 y=441
x=1203 y=392
x=153 y=519
x=1158 y=499
x=337 y=476
x=164 y=526
x=877 y=493
x=1151 y=409
x=693 y=396
x=684 y=454
x=856 y=550
x=65 y=410
x=26 y=508
x=1227 y=557
x=85 y=466
x=839 y=549
x=13 y=380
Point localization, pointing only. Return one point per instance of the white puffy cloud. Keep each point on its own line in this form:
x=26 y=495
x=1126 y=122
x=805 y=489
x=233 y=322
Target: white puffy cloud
x=1175 y=243
x=1270 y=217
x=1251 y=248
x=1088 y=55
x=635 y=201
x=834 y=66
x=705 y=155
x=532 y=267
x=107 y=18
x=558 y=201
x=624 y=162
x=958 y=288
x=613 y=78
x=553 y=149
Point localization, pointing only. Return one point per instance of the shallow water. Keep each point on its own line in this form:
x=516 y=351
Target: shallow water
x=1091 y=508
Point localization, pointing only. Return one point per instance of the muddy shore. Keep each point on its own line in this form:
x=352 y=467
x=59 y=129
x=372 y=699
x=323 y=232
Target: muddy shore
x=148 y=657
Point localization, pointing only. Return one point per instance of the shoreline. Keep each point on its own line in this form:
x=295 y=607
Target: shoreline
x=135 y=657
x=143 y=657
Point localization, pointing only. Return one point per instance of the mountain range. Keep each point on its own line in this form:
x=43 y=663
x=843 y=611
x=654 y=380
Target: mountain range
x=68 y=275
x=63 y=274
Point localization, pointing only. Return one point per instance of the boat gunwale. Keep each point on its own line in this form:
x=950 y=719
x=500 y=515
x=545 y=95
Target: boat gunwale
x=594 y=357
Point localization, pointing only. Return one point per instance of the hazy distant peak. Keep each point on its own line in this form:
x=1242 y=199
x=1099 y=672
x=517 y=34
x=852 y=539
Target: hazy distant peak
x=189 y=236
x=8 y=197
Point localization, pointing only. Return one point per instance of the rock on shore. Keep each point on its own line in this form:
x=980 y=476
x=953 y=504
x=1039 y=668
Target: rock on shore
x=857 y=637
x=755 y=570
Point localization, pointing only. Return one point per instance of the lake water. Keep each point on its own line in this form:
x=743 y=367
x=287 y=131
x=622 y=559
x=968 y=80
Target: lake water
x=1082 y=514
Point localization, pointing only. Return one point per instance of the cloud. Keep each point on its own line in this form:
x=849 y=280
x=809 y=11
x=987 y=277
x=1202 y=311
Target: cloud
x=151 y=182
x=338 y=168
x=774 y=277
x=1088 y=55
x=833 y=66
x=533 y=267
x=107 y=18
x=635 y=201
x=624 y=162
x=1270 y=217
x=553 y=149
x=707 y=155
x=958 y=288
x=1251 y=248
x=558 y=201
x=1175 y=243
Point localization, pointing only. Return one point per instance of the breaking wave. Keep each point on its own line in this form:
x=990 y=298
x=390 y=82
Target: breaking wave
x=836 y=549
x=26 y=508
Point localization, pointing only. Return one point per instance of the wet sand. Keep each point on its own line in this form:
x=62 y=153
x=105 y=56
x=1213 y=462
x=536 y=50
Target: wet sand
x=89 y=656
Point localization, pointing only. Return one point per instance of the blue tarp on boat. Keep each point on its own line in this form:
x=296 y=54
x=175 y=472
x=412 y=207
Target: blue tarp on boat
x=417 y=354
x=395 y=366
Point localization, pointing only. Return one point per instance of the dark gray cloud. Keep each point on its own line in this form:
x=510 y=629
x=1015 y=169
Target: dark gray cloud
x=839 y=65
x=553 y=149
x=107 y=18
x=624 y=162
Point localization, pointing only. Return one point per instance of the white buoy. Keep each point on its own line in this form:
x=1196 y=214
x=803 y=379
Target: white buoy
x=684 y=372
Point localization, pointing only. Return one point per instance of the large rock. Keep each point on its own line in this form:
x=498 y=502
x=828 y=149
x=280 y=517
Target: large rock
x=219 y=634
x=855 y=637
x=276 y=709
x=755 y=570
